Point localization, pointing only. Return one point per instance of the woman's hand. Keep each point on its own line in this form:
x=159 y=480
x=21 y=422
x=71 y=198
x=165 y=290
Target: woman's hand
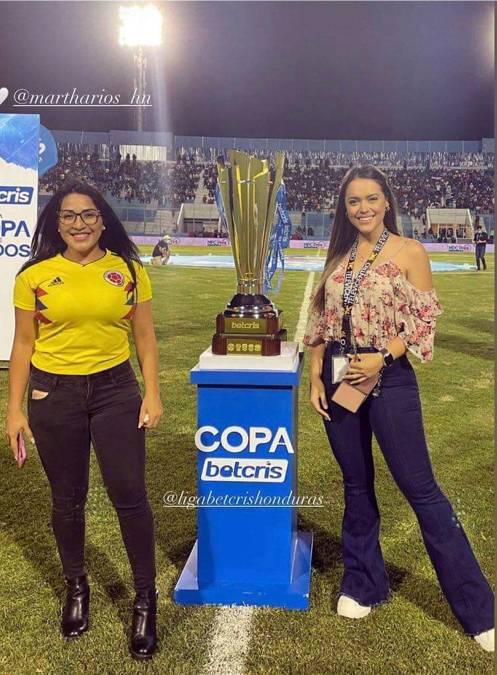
x=363 y=366
x=16 y=421
x=150 y=411
x=318 y=397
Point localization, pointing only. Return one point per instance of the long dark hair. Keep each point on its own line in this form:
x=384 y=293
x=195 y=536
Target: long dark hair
x=47 y=242
x=343 y=233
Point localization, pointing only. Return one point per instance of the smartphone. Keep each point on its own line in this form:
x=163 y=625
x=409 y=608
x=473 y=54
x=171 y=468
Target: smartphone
x=21 y=450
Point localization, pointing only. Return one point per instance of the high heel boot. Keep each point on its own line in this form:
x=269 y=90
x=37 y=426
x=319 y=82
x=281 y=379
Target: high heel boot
x=76 y=608
x=144 y=625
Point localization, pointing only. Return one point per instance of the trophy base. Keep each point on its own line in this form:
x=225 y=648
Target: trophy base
x=247 y=304
x=249 y=344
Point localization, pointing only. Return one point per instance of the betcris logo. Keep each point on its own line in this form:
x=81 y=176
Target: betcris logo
x=236 y=439
x=12 y=194
x=245 y=470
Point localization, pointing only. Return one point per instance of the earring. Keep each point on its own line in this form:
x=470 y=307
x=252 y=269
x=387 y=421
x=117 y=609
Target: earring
x=103 y=227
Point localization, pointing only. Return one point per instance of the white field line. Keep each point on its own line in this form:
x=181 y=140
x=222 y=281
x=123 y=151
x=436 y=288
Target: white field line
x=231 y=630
x=302 y=322
x=230 y=641
x=460 y=274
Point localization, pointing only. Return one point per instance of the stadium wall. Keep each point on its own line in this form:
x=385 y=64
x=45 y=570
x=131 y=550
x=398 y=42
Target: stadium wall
x=347 y=146
x=217 y=242
x=173 y=142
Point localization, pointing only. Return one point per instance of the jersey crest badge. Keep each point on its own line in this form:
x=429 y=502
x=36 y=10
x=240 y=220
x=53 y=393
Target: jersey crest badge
x=113 y=277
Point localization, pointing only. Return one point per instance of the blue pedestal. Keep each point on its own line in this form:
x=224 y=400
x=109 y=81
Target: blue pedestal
x=248 y=550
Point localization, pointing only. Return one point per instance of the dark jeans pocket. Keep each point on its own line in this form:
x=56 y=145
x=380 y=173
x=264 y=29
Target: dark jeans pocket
x=41 y=386
x=123 y=374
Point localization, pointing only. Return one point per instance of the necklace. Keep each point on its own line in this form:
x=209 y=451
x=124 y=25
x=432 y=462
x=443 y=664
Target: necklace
x=362 y=257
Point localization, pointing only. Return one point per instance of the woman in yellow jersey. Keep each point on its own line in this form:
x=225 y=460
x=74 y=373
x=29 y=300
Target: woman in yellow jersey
x=76 y=300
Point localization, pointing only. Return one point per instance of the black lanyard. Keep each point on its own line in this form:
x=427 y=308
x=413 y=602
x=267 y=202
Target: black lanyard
x=351 y=288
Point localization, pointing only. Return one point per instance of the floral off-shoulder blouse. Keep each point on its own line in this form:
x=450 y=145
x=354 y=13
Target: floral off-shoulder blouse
x=387 y=306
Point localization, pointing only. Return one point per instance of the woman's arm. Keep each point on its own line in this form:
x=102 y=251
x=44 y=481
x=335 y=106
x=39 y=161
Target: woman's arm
x=417 y=264
x=148 y=358
x=20 y=359
x=418 y=273
x=318 y=393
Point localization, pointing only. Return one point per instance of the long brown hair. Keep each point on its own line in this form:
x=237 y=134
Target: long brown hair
x=343 y=233
x=47 y=242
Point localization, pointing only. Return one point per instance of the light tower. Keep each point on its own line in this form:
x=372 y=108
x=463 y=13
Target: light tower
x=140 y=27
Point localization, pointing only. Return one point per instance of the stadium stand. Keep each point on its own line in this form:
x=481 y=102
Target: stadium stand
x=150 y=195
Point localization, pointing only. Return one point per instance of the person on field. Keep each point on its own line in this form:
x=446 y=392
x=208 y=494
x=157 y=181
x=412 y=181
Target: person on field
x=480 y=240
x=76 y=299
x=374 y=303
x=161 y=252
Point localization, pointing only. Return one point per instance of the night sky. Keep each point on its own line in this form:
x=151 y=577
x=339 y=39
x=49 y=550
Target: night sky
x=325 y=70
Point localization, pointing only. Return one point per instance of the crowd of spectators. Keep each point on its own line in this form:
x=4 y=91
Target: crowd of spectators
x=166 y=183
x=419 y=180
x=209 y=175
x=312 y=187
x=323 y=160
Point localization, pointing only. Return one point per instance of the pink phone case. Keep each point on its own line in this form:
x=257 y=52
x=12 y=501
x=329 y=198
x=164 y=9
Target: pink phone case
x=21 y=450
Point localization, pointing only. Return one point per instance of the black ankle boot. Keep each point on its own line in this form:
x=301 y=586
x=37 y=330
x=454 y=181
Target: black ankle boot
x=76 y=608
x=144 y=626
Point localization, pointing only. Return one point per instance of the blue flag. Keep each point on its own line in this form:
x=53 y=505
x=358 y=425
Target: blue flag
x=280 y=239
x=220 y=206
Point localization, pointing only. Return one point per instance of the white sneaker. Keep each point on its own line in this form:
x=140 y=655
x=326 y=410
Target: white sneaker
x=351 y=609
x=486 y=640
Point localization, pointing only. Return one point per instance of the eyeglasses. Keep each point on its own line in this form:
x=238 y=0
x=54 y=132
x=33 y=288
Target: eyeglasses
x=88 y=216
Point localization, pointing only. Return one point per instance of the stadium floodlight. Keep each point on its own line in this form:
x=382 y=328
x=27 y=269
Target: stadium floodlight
x=141 y=26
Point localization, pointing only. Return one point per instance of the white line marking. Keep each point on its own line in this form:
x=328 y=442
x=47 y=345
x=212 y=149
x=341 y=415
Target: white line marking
x=302 y=322
x=230 y=641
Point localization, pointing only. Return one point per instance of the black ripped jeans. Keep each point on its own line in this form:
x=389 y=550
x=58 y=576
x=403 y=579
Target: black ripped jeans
x=66 y=414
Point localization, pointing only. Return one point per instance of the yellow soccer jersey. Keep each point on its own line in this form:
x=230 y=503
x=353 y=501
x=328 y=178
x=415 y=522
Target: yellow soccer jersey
x=83 y=312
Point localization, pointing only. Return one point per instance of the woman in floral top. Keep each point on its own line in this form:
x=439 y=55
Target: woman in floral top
x=394 y=312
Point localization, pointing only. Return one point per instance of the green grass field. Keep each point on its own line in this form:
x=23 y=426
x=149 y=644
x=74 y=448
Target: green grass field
x=415 y=633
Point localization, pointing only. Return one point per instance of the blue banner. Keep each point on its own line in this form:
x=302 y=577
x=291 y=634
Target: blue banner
x=280 y=239
x=48 y=156
x=220 y=206
x=283 y=216
x=19 y=144
x=17 y=135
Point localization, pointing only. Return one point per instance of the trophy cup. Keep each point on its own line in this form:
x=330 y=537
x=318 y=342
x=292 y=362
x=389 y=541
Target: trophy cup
x=250 y=324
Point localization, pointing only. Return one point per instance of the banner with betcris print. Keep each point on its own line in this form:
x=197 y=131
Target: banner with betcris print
x=19 y=148
x=246 y=444
x=252 y=455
